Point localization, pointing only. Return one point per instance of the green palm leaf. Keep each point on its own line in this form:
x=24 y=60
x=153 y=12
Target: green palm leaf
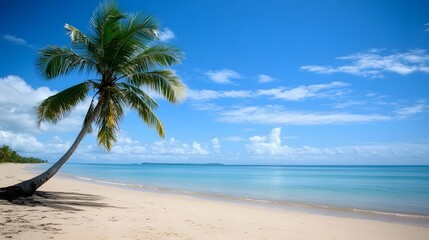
x=55 y=61
x=135 y=33
x=139 y=100
x=76 y=35
x=146 y=99
x=111 y=113
x=164 y=82
x=59 y=105
x=152 y=58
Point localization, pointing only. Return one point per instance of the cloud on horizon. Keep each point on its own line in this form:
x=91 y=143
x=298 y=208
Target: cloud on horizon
x=271 y=145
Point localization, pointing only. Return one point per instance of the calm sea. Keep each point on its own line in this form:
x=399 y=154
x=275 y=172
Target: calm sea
x=400 y=190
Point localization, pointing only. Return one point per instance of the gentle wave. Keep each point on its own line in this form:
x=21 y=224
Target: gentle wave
x=369 y=213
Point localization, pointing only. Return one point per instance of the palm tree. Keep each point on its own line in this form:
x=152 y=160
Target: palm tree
x=122 y=51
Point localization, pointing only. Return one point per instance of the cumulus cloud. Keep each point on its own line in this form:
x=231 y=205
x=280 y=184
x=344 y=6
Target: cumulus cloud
x=17 y=108
x=333 y=89
x=28 y=144
x=271 y=145
x=17 y=103
x=273 y=114
x=216 y=145
x=165 y=35
x=374 y=64
x=17 y=40
x=263 y=78
x=174 y=147
x=22 y=142
x=223 y=76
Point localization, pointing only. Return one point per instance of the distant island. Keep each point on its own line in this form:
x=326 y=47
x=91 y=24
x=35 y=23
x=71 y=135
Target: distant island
x=153 y=163
x=7 y=155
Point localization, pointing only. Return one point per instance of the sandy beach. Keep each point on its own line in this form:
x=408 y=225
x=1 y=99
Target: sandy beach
x=71 y=209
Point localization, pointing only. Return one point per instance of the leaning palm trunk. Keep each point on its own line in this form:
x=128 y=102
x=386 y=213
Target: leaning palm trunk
x=28 y=187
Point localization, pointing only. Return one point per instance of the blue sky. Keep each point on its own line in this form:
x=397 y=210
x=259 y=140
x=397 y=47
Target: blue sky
x=269 y=82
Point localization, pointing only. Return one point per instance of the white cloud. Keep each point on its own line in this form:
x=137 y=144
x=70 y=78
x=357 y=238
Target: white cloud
x=348 y=104
x=216 y=145
x=165 y=35
x=272 y=114
x=206 y=106
x=263 y=78
x=267 y=145
x=88 y=151
x=174 y=147
x=333 y=89
x=17 y=103
x=28 y=144
x=171 y=149
x=233 y=139
x=427 y=27
x=271 y=145
x=22 y=142
x=373 y=64
x=17 y=108
x=212 y=94
x=223 y=76
x=17 y=40
x=408 y=111
x=303 y=92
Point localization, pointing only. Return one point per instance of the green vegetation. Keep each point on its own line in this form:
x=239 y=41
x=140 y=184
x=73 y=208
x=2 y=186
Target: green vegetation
x=7 y=155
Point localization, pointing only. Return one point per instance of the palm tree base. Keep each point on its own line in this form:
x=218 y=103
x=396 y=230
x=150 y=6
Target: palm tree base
x=14 y=192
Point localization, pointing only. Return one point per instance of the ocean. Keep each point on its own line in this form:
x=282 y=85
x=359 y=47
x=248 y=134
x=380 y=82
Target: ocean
x=386 y=190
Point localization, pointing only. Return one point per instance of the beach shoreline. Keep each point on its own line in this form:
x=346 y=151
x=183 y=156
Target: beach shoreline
x=393 y=217
x=87 y=210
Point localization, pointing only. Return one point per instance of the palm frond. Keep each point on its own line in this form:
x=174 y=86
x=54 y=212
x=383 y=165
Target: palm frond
x=164 y=82
x=105 y=20
x=134 y=36
x=139 y=102
x=105 y=27
x=59 y=105
x=84 y=46
x=152 y=58
x=111 y=113
x=76 y=35
x=147 y=100
x=55 y=61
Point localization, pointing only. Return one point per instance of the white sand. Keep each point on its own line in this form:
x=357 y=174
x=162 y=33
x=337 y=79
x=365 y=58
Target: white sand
x=73 y=209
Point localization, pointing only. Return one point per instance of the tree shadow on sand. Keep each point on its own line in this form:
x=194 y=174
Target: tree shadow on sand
x=67 y=201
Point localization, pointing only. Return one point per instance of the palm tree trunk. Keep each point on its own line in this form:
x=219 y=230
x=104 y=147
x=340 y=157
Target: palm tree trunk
x=28 y=187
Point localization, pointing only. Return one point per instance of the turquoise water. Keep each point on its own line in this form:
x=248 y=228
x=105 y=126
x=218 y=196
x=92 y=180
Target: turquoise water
x=389 y=189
